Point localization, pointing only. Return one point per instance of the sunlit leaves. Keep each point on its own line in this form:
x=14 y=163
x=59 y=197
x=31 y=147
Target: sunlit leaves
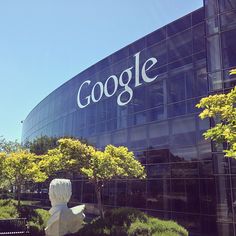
x=222 y=108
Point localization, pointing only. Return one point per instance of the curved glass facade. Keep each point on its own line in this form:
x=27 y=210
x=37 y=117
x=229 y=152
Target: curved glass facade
x=144 y=97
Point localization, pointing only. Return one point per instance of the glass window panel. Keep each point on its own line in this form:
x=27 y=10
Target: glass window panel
x=211 y=7
x=158 y=170
x=108 y=193
x=121 y=192
x=228 y=20
x=227 y=5
x=157 y=156
x=184 y=169
x=156 y=36
x=182 y=64
x=215 y=81
x=155 y=94
x=199 y=38
x=179 y=25
x=192 y=195
x=180 y=46
x=121 y=54
x=140 y=156
x=137 y=118
x=138 y=102
x=205 y=151
x=190 y=84
x=207 y=196
x=136 y=196
x=88 y=193
x=191 y=106
x=205 y=168
x=201 y=81
x=137 y=46
x=157 y=113
x=158 y=194
x=176 y=109
x=224 y=198
x=138 y=137
x=213 y=50
x=120 y=137
x=183 y=154
x=198 y=16
x=158 y=51
x=229 y=48
x=178 y=195
x=176 y=88
x=158 y=133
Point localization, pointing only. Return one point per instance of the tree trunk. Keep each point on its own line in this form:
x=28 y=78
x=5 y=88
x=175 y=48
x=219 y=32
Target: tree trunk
x=98 y=190
x=18 y=190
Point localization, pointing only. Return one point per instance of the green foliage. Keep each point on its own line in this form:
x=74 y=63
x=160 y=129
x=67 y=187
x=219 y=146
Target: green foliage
x=38 y=222
x=37 y=218
x=155 y=226
x=113 y=162
x=9 y=146
x=41 y=145
x=221 y=107
x=131 y=222
x=8 y=209
x=20 y=167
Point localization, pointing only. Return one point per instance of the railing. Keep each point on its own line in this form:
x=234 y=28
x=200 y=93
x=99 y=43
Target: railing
x=16 y=226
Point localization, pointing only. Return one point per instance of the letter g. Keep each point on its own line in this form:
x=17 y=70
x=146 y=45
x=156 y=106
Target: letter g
x=86 y=98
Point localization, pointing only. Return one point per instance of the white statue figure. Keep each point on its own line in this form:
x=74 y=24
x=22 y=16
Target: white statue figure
x=63 y=220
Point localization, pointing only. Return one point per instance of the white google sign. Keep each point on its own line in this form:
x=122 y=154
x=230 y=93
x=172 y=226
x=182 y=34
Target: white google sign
x=118 y=81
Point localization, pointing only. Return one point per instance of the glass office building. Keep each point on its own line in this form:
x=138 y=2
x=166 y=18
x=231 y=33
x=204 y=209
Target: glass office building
x=143 y=96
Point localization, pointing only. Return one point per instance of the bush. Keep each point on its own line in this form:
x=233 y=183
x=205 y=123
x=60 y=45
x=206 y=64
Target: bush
x=155 y=226
x=131 y=222
x=8 y=209
x=37 y=218
x=38 y=221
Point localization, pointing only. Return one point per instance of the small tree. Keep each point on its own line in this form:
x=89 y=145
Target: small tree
x=221 y=107
x=41 y=145
x=20 y=167
x=9 y=146
x=113 y=162
x=100 y=166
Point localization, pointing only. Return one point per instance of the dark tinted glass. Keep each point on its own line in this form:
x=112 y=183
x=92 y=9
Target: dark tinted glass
x=227 y=5
x=198 y=16
x=180 y=46
x=229 y=48
x=179 y=25
x=158 y=51
x=156 y=36
x=228 y=20
x=199 y=38
x=157 y=194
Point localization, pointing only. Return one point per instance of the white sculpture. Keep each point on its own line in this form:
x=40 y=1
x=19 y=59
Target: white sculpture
x=63 y=220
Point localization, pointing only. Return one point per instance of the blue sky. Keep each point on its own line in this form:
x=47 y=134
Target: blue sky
x=45 y=43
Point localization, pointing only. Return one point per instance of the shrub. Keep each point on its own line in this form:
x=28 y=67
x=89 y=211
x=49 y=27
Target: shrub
x=38 y=222
x=131 y=222
x=8 y=209
x=155 y=226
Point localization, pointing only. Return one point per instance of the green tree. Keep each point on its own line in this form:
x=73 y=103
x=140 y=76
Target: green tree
x=41 y=145
x=113 y=162
x=100 y=166
x=20 y=167
x=221 y=107
x=9 y=146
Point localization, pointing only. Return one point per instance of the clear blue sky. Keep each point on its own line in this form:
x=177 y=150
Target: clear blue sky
x=45 y=43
